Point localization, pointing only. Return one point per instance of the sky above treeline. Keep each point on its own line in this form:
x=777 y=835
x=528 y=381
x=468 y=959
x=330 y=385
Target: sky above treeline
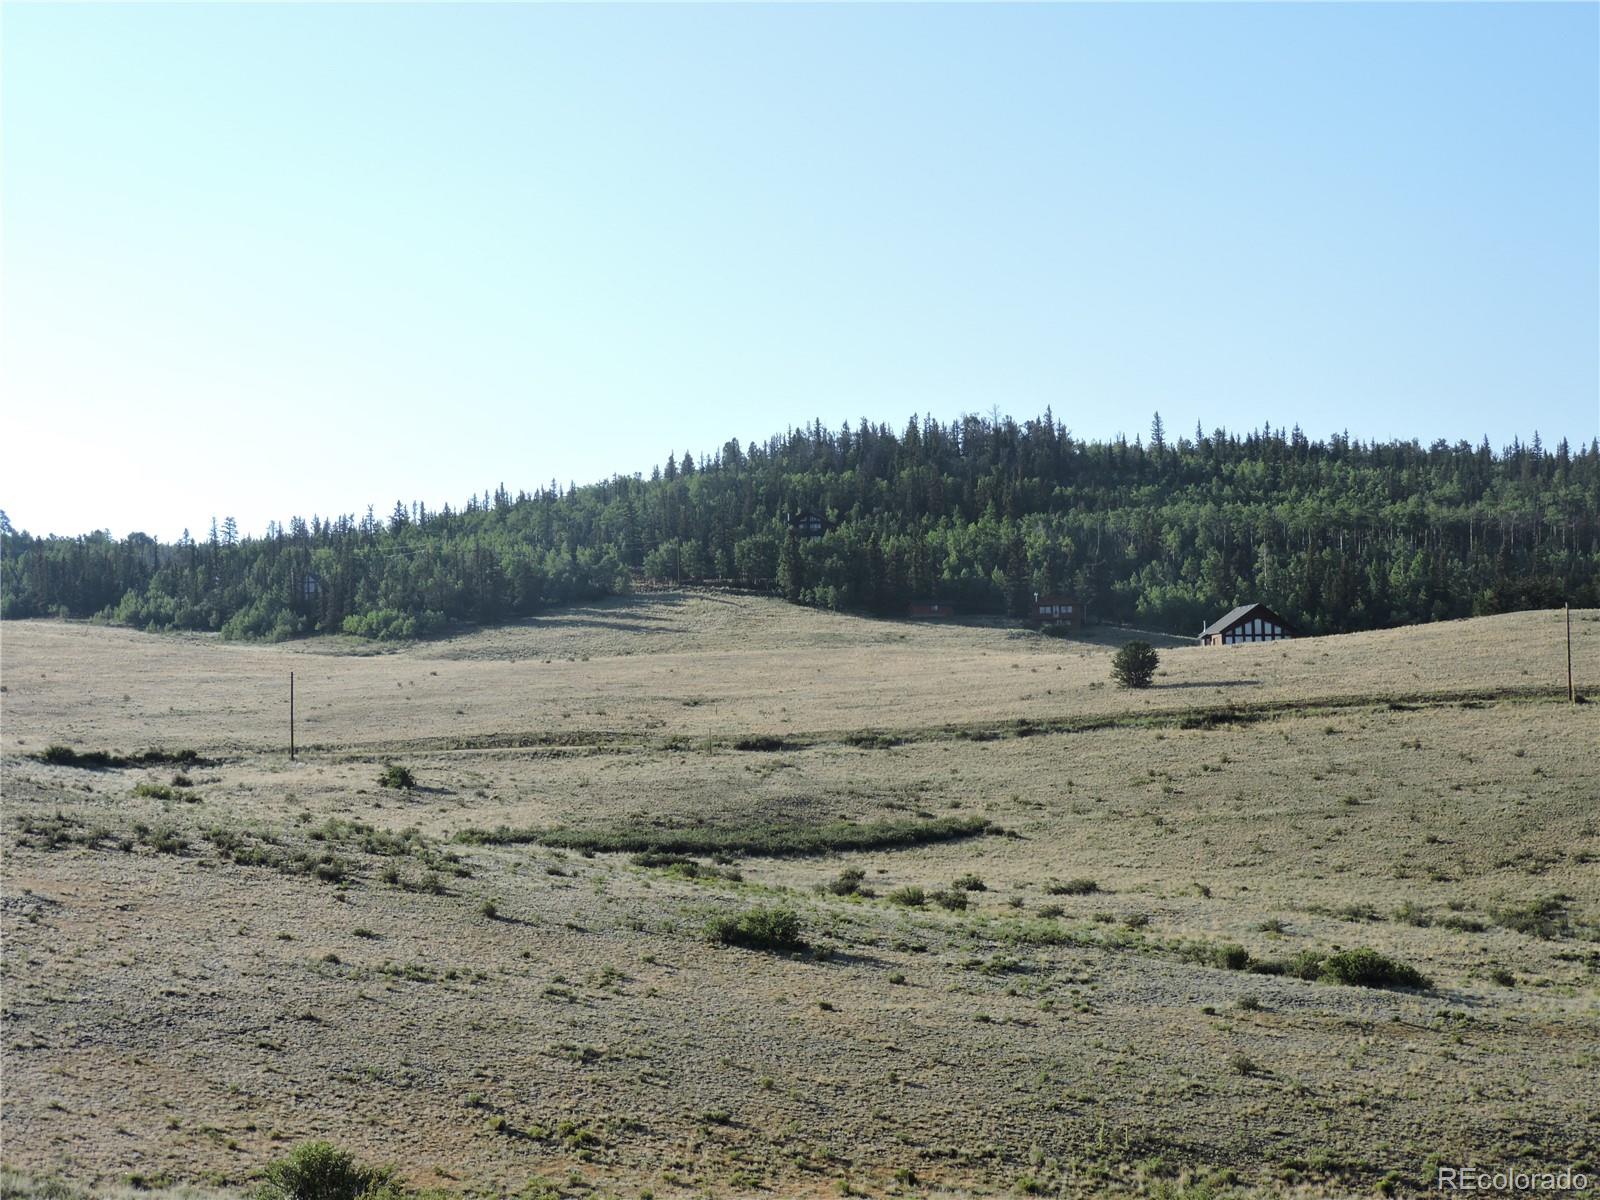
x=267 y=260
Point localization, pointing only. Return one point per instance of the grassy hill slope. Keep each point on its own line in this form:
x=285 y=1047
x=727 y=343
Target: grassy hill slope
x=1096 y=994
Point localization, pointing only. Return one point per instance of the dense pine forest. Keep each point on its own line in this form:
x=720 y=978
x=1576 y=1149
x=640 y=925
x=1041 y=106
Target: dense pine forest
x=980 y=513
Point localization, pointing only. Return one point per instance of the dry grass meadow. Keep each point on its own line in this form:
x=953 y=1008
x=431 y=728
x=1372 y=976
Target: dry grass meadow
x=207 y=962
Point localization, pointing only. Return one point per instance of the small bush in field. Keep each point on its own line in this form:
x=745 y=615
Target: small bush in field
x=397 y=776
x=774 y=929
x=1364 y=967
x=848 y=883
x=321 y=1171
x=1073 y=887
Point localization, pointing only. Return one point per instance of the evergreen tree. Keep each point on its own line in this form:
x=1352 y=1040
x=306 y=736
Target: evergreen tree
x=791 y=572
x=1134 y=665
x=1334 y=535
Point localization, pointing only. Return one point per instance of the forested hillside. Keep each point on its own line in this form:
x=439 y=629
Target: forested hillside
x=1335 y=535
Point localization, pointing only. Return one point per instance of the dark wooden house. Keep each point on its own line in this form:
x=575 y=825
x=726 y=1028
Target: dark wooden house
x=933 y=610
x=1247 y=623
x=808 y=524
x=1058 y=610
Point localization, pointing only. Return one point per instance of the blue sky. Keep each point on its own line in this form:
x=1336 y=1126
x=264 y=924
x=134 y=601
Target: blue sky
x=263 y=260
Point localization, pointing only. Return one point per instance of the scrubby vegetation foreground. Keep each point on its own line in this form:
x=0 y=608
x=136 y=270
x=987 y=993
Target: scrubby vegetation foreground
x=1335 y=535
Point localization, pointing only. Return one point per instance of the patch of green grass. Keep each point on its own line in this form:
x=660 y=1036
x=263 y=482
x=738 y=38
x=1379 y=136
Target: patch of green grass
x=1545 y=917
x=1219 y=719
x=61 y=830
x=684 y=867
x=871 y=741
x=163 y=839
x=160 y=791
x=99 y=760
x=770 y=840
x=250 y=849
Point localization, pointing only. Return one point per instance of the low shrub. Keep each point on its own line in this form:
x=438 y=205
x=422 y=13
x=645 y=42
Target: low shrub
x=1543 y=918
x=66 y=756
x=955 y=901
x=1072 y=887
x=848 y=883
x=1413 y=914
x=55 y=832
x=774 y=929
x=321 y=1171
x=163 y=839
x=1231 y=957
x=1307 y=964
x=1365 y=967
x=911 y=896
x=396 y=776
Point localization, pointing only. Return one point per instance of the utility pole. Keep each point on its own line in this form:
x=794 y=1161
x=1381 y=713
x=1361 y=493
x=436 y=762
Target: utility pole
x=291 y=716
x=1572 y=695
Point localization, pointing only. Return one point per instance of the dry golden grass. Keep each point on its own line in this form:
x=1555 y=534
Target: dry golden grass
x=183 y=1015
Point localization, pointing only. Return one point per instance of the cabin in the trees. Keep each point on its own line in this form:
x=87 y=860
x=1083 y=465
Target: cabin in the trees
x=808 y=524
x=1058 y=610
x=933 y=610
x=1247 y=623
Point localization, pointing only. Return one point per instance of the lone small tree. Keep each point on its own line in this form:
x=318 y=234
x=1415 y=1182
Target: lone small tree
x=1134 y=666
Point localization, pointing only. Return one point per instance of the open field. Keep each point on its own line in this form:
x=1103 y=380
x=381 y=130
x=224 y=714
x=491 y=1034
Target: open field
x=478 y=980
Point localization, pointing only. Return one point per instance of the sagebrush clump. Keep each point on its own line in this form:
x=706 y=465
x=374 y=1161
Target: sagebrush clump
x=774 y=929
x=322 y=1171
x=396 y=776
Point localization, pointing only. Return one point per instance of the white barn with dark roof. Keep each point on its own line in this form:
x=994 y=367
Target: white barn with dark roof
x=1247 y=623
